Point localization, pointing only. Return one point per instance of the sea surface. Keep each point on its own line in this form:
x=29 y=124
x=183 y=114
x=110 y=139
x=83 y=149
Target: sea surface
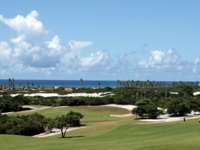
x=67 y=83
x=63 y=83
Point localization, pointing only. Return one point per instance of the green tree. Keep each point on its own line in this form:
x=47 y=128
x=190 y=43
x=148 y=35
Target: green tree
x=14 y=125
x=179 y=106
x=48 y=124
x=17 y=102
x=188 y=91
x=69 y=120
x=194 y=104
x=146 y=109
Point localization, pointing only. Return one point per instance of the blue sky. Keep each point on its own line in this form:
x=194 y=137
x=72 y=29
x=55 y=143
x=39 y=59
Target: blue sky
x=100 y=40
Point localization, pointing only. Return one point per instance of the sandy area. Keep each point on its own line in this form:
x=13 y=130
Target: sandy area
x=55 y=132
x=30 y=107
x=101 y=94
x=161 y=118
x=128 y=107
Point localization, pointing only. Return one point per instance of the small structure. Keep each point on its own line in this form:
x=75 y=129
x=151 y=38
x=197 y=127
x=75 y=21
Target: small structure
x=69 y=90
x=174 y=93
x=196 y=93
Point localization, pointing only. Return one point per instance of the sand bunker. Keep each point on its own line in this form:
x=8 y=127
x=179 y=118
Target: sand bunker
x=161 y=118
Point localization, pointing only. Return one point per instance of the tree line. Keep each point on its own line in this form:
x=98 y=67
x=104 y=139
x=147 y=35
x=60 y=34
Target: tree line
x=36 y=123
x=154 y=84
x=162 y=97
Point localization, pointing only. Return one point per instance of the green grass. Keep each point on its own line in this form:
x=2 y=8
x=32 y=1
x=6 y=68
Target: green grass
x=91 y=113
x=103 y=132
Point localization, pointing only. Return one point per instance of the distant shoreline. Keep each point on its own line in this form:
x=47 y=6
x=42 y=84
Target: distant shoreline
x=62 y=83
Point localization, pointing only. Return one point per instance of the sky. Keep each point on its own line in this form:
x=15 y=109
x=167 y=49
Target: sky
x=100 y=40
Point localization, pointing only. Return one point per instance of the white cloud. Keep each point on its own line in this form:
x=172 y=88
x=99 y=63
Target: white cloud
x=54 y=44
x=95 y=60
x=162 y=60
x=24 y=57
x=30 y=58
x=37 y=56
x=76 y=45
x=73 y=52
x=5 y=50
x=27 y=26
x=18 y=39
x=196 y=65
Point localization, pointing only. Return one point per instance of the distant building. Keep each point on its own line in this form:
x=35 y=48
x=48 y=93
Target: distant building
x=69 y=90
x=174 y=93
x=196 y=93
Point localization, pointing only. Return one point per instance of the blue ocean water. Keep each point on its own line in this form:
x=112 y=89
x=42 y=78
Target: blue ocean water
x=67 y=83
x=62 y=83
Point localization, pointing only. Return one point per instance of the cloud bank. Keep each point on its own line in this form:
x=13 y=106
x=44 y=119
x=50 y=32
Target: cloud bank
x=22 y=57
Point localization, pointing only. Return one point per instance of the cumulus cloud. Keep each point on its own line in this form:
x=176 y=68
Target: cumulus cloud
x=5 y=52
x=52 y=58
x=95 y=60
x=72 y=54
x=162 y=60
x=196 y=65
x=48 y=58
x=28 y=26
x=54 y=44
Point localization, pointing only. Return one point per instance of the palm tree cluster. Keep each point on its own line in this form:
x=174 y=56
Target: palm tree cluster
x=8 y=86
x=11 y=85
x=154 y=84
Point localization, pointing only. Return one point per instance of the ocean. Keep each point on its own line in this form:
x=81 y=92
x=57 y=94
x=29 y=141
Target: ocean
x=63 y=83
x=67 y=83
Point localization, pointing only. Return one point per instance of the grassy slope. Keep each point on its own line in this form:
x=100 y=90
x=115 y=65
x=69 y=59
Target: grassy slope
x=104 y=132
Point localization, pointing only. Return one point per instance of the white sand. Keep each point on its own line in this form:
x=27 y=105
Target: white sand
x=128 y=107
x=161 y=118
x=56 y=131
x=123 y=115
x=31 y=109
x=67 y=95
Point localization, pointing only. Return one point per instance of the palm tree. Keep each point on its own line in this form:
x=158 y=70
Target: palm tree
x=132 y=83
x=9 y=83
x=13 y=84
x=28 y=85
x=119 y=82
x=99 y=84
x=81 y=81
